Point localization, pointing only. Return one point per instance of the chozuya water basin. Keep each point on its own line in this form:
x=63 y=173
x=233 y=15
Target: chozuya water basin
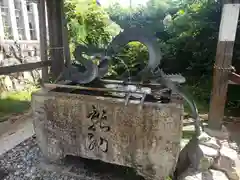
x=102 y=127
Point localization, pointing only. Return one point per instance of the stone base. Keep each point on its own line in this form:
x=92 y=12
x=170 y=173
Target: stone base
x=210 y=158
x=220 y=134
x=190 y=174
x=104 y=128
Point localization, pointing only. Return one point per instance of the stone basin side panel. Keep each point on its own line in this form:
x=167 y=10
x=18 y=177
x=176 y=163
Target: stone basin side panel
x=146 y=139
x=48 y=145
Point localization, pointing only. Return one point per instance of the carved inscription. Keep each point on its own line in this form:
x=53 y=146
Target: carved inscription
x=98 y=120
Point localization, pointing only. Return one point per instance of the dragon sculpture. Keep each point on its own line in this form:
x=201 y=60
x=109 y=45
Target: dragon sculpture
x=140 y=35
x=150 y=72
x=93 y=71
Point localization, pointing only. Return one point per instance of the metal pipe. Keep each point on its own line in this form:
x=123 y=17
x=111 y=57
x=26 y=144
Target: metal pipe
x=52 y=86
x=128 y=83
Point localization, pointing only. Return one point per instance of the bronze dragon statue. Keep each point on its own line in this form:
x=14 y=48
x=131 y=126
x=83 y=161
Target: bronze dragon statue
x=142 y=36
x=93 y=71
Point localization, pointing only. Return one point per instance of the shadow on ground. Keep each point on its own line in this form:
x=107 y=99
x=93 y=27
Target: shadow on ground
x=99 y=167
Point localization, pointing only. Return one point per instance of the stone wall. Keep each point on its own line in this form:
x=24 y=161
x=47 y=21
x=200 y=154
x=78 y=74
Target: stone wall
x=13 y=53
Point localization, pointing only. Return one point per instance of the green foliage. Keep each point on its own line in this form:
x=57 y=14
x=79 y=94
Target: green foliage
x=86 y=23
x=193 y=34
x=130 y=60
x=187 y=38
x=188 y=42
x=14 y=102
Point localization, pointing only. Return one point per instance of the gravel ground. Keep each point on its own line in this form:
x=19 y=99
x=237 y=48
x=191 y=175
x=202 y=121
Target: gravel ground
x=25 y=162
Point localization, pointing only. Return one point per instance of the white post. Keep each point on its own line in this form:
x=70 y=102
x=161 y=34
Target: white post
x=46 y=22
x=13 y=22
x=36 y=19
x=1 y=27
x=25 y=20
x=65 y=38
x=226 y=40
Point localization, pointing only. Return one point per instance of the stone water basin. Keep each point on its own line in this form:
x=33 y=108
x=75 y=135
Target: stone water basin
x=100 y=127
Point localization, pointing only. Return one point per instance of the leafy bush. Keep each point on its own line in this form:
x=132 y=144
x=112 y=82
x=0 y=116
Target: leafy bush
x=130 y=60
x=87 y=23
x=187 y=37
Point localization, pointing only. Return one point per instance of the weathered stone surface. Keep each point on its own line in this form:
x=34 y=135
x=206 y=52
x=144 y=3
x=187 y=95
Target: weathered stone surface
x=209 y=141
x=103 y=128
x=208 y=151
x=199 y=154
x=205 y=163
x=234 y=146
x=196 y=156
x=227 y=162
x=220 y=134
x=190 y=174
x=217 y=154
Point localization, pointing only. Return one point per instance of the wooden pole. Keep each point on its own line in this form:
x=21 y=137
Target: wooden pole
x=56 y=48
x=223 y=62
x=65 y=38
x=43 y=37
x=23 y=67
